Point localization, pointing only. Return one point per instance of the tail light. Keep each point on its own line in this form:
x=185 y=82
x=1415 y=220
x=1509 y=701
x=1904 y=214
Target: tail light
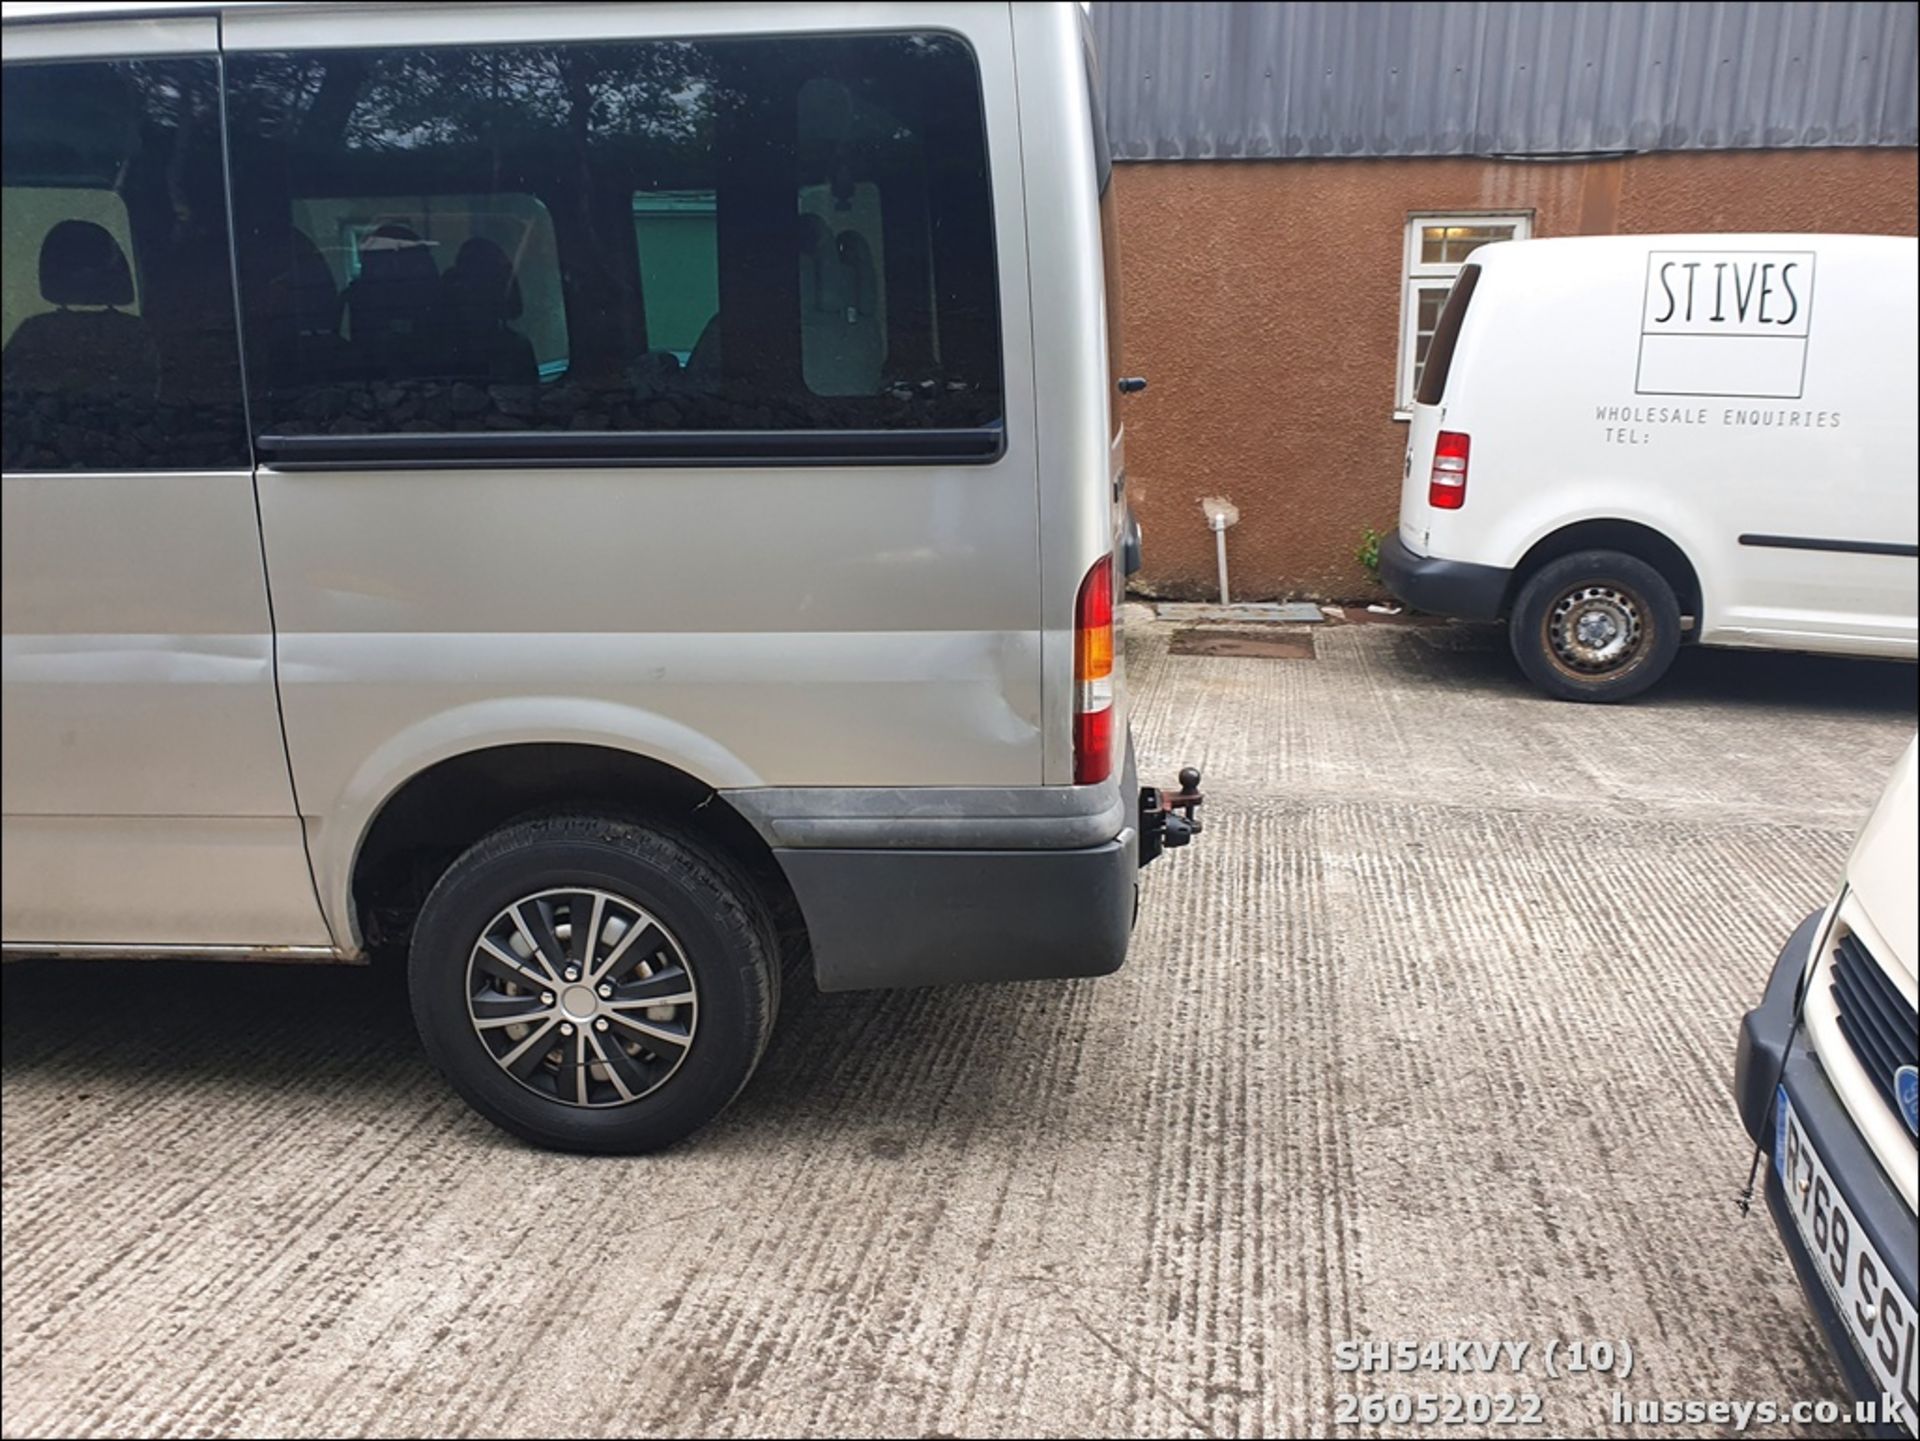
x=1093 y=675
x=1447 y=485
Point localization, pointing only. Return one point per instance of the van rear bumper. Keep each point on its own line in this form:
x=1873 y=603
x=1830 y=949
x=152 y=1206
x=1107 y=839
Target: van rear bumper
x=886 y=918
x=929 y=886
x=1442 y=587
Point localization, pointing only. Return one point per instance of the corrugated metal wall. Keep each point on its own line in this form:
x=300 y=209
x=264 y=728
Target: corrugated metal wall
x=1204 y=80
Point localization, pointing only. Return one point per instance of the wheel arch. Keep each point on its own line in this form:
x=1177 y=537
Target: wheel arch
x=441 y=810
x=1630 y=537
x=435 y=789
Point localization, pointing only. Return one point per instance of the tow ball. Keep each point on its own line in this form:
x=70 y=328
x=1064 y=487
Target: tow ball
x=1168 y=820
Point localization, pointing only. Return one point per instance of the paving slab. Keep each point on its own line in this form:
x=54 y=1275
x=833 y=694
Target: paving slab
x=1281 y=612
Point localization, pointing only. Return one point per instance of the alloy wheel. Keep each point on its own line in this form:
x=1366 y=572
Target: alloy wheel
x=582 y=996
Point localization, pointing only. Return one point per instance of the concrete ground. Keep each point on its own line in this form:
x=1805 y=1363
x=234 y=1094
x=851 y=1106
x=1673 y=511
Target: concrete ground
x=1430 y=1037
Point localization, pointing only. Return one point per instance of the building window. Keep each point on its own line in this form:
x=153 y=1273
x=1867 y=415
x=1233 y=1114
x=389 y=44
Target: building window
x=1437 y=246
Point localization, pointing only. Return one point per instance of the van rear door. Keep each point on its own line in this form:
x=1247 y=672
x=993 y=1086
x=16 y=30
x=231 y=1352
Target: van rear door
x=1081 y=517
x=1429 y=411
x=1126 y=529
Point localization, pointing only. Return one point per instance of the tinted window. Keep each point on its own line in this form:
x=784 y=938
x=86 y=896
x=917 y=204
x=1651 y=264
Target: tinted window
x=118 y=330
x=662 y=236
x=1109 y=218
x=1446 y=334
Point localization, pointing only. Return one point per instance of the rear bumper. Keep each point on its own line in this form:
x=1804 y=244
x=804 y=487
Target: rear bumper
x=1442 y=587
x=1767 y=1038
x=934 y=886
x=888 y=918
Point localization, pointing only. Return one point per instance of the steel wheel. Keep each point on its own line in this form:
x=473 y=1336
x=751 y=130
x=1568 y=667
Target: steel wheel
x=1597 y=625
x=582 y=996
x=1594 y=630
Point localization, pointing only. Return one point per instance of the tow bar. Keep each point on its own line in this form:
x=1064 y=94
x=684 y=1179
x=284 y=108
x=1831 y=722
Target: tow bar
x=1168 y=821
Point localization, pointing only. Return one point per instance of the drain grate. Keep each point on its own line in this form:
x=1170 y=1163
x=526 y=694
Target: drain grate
x=1242 y=645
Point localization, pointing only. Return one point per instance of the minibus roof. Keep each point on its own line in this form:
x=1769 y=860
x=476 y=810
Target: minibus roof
x=30 y=10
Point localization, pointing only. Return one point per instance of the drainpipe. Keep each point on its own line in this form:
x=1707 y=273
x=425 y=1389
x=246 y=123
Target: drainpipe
x=1220 y=513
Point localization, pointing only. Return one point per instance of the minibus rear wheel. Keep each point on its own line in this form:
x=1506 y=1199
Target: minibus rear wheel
x=593 y=984
x=1597 y=625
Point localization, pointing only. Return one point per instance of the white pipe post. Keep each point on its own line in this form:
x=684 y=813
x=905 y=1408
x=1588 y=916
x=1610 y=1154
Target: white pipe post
x=1220 y=513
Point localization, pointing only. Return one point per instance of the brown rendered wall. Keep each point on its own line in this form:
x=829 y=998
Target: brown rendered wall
x=1262 y=302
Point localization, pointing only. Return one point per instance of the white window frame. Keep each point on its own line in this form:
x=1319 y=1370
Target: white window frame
x=1417 y=277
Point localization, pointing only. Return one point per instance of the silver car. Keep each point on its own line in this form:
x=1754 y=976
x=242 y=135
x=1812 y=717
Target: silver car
x=597 y=500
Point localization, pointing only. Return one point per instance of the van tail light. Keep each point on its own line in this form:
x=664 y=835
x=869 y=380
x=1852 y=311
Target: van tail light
x=1093 y=675
x=1447 y=485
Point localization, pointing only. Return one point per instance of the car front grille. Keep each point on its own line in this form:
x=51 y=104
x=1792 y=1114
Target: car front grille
x=1878 y=1022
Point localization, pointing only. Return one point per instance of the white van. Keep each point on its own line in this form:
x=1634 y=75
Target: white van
x=1827 y=1077
x=1624 y=442
x=595 y=500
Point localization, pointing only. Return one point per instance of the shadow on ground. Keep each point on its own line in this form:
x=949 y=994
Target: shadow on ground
x=247 y=1028
x=1477 y=656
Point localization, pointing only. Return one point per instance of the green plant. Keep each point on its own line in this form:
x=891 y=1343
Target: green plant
x=1369 y=552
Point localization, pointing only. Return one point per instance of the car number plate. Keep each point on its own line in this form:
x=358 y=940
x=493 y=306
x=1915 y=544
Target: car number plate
x=1880 y=1320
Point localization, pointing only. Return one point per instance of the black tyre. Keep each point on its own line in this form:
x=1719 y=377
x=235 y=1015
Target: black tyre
x=1595 y=626
x=593 y=985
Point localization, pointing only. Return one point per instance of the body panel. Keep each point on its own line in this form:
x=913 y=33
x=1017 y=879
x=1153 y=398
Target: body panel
x=1416 y=515
x=159 y=880
x=1080 y=453
x=1881 y=869
x=79 y=35
x=139 y=651
x=146 y=795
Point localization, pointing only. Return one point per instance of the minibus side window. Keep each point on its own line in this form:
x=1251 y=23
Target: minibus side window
x=1446 y=334
x=117 y=347
x=716 y=236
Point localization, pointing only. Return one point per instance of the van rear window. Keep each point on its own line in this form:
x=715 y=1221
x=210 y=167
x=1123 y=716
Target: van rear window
x=1109 y=220
x=1446 y=334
